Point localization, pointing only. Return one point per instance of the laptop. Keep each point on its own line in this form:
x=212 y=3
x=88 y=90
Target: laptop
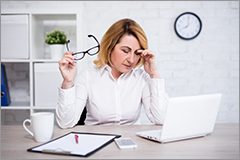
x=187 y=117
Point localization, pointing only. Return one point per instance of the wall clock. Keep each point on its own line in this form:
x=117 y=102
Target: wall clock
x=188 y=25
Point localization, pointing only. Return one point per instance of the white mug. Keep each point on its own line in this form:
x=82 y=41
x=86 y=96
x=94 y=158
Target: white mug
x=42 y=124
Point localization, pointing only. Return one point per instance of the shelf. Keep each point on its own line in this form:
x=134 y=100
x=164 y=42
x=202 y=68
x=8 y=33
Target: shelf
x=41 y=24
x=33 y=77
x=18 y=77
x=15 y=36
x=26 y=108
x=43 y=108
x=15 y=107
x=45 y=60
x=47 y=78
x=15 y=60
x=28 y=61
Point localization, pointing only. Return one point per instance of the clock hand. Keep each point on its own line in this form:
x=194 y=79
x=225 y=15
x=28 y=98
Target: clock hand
x=187 y=23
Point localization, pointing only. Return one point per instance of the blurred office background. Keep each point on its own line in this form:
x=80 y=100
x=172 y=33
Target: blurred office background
x=207 y=64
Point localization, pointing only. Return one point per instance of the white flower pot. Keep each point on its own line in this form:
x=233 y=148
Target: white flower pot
x=56 y=51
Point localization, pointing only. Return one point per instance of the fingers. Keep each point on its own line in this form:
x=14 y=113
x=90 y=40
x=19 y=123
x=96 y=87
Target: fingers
x=138 y=51
x=67 y=59
x=69 y=56
x=145 y=54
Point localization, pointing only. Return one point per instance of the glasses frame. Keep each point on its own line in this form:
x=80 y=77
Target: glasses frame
x=87 y=51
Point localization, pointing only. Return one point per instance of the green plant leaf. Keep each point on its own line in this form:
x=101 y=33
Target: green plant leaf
x=56 y=37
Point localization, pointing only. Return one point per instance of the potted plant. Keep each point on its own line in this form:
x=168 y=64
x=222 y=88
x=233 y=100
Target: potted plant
x=56 y=40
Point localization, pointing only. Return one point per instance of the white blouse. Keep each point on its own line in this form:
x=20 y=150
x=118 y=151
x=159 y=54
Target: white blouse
x=111 y=101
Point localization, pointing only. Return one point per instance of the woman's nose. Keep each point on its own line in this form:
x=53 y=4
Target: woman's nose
x=131 y=57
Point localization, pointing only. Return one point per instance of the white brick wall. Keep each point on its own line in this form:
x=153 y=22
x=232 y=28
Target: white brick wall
x=207 y=64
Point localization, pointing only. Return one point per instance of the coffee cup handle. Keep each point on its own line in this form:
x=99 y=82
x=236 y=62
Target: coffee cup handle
x=24 y=126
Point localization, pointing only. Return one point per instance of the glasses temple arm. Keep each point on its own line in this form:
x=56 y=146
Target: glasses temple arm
x=94 y=38
x=68 y=41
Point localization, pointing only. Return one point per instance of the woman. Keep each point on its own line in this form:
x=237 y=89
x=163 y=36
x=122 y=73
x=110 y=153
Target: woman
x=114 y=90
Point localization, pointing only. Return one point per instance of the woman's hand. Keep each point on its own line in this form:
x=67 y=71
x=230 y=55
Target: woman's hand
x=149 y=63
x=68 y=70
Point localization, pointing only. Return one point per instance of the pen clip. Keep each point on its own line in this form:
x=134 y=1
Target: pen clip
x=76 y=138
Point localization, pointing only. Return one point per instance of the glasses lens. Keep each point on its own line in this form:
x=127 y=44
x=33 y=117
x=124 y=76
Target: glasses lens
x=79 y=55
x=93 y=50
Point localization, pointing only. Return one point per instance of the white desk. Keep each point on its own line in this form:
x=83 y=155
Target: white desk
x=222 y=144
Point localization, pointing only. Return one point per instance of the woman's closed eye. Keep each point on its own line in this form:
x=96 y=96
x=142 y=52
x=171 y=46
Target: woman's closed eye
x=125 y=51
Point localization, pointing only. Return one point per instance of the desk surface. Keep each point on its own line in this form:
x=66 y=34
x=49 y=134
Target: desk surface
x=223 y=143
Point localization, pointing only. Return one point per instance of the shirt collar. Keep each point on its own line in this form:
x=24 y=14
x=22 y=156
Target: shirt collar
x=109 y=69
x=104 y=68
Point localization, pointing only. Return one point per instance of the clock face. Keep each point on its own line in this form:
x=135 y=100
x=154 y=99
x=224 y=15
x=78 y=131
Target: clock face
x=188 y=26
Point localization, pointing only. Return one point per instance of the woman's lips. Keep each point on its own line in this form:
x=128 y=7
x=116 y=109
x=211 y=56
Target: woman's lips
x=128 y=66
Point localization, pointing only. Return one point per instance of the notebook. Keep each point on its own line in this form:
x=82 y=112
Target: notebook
x=187 y=117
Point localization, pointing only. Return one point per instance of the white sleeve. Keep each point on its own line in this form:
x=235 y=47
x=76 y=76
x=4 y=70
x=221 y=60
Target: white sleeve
x=71 y=103
x=155 y=100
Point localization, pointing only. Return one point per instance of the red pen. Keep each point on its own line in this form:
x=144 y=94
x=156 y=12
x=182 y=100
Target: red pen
x=76 y=138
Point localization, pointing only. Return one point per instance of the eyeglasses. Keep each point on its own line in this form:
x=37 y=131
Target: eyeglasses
x=91 y=51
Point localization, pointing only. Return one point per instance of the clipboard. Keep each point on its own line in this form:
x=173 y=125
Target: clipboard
x=85 y=145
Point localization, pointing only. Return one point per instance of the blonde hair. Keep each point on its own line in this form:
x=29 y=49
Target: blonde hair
x=113 y=36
